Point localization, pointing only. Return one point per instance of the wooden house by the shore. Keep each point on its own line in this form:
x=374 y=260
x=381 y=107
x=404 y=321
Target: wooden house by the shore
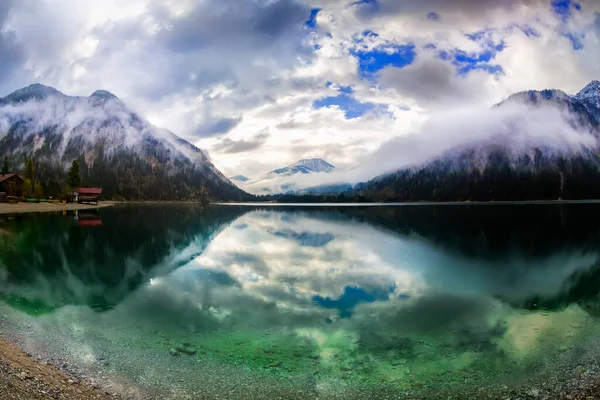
x=11 y=186
x=88 y=195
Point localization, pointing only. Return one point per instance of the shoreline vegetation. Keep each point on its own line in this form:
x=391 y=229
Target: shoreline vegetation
x=408 y=203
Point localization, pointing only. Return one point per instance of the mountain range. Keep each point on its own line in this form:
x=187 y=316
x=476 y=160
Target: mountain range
x=281 y=180
x=132 y=159
x=306 y=166
x=505 y=165
x=116 y=148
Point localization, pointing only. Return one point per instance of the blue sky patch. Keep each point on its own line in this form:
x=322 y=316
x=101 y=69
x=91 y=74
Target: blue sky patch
x=467 y=62
x=564 y=8
x=372 y=61
x=491 y=69
x=352 y=108
x=311 y=23
x=359 y=2
x=575 y=40
x=351 y=298
x=341 y=89
x=529 y=31
x=369 y=33
x=433 y=16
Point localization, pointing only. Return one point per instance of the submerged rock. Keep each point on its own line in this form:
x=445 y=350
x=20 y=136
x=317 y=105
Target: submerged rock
x=173 y=352
x=190 y=351
x=186 y=349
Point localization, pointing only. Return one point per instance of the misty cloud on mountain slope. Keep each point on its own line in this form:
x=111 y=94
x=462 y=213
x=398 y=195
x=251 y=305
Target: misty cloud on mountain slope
x=517 y=127
x=91 y=119
x=68 y=114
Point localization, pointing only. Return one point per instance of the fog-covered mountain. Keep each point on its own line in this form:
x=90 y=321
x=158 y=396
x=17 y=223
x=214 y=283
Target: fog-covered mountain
x=590 y=94
x=118 y=149
x=556 y=156
x=307 y=166
x=286 y=179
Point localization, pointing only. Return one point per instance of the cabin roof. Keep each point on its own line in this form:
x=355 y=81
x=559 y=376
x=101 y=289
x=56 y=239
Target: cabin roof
x=8 y=176
x=89 y=191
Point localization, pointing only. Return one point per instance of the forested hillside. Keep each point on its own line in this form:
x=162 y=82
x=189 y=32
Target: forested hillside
x=116 y=149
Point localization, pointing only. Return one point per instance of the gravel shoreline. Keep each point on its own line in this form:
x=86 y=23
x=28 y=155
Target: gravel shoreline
x=20 y=208
x=23 y=377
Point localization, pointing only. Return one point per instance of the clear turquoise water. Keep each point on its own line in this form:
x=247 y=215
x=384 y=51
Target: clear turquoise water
x=296 y=302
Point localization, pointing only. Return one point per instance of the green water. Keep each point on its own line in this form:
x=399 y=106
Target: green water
x=331 y=302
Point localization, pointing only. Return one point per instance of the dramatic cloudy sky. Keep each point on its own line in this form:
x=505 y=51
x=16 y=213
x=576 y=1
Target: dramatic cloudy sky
x=259 y=84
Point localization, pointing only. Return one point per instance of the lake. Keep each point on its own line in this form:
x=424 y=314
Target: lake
x=431 y=301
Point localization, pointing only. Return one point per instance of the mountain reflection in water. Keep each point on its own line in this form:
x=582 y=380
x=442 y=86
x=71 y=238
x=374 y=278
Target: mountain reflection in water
x=401 y=296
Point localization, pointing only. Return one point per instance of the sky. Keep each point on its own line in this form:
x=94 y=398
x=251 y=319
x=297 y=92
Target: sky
x=260 y=84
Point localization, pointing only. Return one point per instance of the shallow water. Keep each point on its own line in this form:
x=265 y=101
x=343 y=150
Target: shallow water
x=307 y=302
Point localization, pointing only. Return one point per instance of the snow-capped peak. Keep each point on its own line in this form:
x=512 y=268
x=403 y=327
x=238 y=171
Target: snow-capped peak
x=305 y=166
x=314 y=164
x=590 y=93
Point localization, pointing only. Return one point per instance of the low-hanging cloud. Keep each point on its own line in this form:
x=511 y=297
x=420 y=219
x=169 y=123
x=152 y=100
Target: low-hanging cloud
x=519 y=128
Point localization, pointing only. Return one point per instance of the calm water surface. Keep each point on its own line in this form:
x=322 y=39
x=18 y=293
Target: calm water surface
x=331 y=302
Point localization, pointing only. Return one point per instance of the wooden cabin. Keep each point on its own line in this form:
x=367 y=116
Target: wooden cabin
x=11 y=187
x=88 y=195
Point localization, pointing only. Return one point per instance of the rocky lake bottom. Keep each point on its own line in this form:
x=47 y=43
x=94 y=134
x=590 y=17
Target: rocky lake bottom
x=427 y=302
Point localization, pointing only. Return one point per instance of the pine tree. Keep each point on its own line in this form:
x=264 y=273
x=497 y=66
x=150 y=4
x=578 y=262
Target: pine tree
x=5 y=166
x=30 y=173
x=73 y=176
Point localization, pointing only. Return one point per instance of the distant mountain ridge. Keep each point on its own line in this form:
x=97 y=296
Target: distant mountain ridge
x=118 y=149
x=305 y=166
x=492 y=170
x=281 y=180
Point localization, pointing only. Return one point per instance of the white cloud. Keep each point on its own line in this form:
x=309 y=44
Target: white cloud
x=236 y=69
